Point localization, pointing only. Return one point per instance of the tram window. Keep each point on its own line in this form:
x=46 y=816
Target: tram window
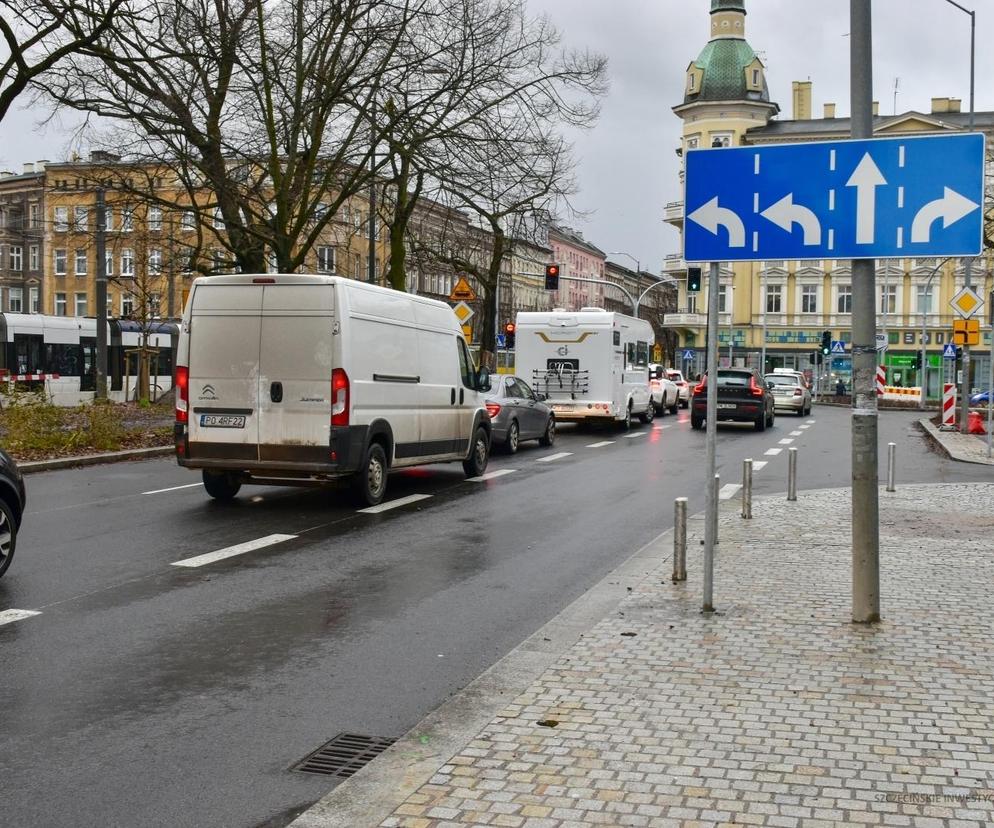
x=64 y=360
x=27 y=350
x=165 y=362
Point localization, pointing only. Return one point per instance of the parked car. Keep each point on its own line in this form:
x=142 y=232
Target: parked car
x=981 y=398
x=682 y=386
x=790 y=393
x=743 y=396
x=664 y=393
x=294 y=379
x=518 y=413
x=12 y=501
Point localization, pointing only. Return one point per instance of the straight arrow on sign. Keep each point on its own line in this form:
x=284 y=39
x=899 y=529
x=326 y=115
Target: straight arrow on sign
x=866 y=178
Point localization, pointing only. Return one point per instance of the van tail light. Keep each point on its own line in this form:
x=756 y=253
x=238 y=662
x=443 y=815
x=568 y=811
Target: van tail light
x=182 y=383
x=493 y=409
x=756 y=390
x=339 y=397
x=798 y=392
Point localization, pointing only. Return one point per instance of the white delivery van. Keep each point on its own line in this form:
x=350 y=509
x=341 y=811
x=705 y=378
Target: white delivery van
x=295 y=379
x=591 y=364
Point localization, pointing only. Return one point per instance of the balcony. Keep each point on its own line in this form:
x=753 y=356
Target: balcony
x=674 y=263
x=684 y=321
x=673 y=212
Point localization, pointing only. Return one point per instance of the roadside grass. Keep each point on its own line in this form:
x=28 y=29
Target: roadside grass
x=31 y=428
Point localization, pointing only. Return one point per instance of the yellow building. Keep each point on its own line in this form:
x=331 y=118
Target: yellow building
x=726 y=104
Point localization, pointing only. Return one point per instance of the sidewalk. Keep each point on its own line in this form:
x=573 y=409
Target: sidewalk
x=775 y=711
x=967 y=448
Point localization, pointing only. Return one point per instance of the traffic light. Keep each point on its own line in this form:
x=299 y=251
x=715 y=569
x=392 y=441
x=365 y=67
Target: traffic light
x=918 y=361
x=693 y=280
x=551 y=277
x=826 y=342
x=509 y=335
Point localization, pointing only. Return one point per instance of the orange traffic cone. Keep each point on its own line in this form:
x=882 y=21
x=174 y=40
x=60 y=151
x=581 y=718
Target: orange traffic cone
x=975 y=423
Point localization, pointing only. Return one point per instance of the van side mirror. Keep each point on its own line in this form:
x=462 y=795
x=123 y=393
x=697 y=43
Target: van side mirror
x=483 y=379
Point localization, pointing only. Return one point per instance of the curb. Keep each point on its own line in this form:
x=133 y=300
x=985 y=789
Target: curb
x=934 y=436
x=33 y=466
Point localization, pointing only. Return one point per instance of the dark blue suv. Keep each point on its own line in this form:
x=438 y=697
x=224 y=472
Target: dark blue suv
x=12 y=501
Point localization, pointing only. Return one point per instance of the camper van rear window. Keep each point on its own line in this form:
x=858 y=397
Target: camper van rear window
x=617 y=337
x=559 y=365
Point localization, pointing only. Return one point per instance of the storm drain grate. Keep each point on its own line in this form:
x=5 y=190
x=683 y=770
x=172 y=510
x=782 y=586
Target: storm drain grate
x=343 y=755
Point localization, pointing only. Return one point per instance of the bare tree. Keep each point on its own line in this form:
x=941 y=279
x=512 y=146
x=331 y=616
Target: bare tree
x=256 y=107
x=39 y=34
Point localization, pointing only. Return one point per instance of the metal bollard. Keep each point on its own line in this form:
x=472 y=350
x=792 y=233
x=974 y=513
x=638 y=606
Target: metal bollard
x=891 y=453
x=792 y=474
x=747 y=489
x=680 y=539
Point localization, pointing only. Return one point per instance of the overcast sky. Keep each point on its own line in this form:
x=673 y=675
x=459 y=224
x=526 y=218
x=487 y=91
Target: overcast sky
x=627 y=165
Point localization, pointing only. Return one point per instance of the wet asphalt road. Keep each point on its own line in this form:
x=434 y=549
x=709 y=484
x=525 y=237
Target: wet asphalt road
x=155 y=695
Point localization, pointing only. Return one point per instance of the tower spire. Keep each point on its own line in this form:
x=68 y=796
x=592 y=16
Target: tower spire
x=728 y=19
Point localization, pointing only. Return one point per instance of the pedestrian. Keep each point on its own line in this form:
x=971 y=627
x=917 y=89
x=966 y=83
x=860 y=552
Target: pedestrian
x=840 y=388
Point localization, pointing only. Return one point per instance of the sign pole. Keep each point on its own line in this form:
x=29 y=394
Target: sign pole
x=711 y=522
x=865 y=504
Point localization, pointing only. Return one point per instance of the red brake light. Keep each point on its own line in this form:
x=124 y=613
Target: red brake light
x=493 y=409
x=182 y=383
x=263 y=281
x=339 y=397
x=757 y=391
x=699 y=388
x=798 y=392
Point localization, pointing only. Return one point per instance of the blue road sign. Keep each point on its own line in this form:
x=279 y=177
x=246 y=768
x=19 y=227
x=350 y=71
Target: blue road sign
x=688 y=354
x=501 y=340
x=838 y=347
x=949 y=352
x=885 y=198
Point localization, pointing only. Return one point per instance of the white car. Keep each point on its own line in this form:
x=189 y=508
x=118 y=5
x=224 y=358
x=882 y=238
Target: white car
x=682 y=386
x=665 y=394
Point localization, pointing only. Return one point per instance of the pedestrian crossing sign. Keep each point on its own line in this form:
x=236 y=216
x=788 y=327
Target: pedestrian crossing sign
x=949 y=352
x=688 y=354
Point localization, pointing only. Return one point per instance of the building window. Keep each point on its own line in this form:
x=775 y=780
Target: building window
x=16 y=302
x=721 y=139
x=81 y=219
x=774 y=299
x=34 y=300
x=326 y=259
x=154 y=218
x=16 y=258
x=80 y=304
x=127 y=304
x=60 y=304
x=188 y=221
x=358 y=267
x=34 y=257
x=691 y=82
x=109 y=219
x=924 y=300
x=80 y=261
x=843 y=302
x=127 y=219
x=692 y=303
x=128 y=262
x=61 y=219
x=755 y=77
x=155 y=262
x=887 y=299
x=218 y=219
x=809 y=299
x=153 y=305
x=722 y=298
x=218 y=261
x=34 y=216
x=60 y=262
x=108 y=263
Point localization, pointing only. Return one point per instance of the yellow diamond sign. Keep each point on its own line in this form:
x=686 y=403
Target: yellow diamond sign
x=966 y=303
x=462 y=311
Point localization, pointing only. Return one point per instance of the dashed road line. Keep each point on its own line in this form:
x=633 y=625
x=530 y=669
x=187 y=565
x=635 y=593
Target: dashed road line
x=393 y=504
x=661 y=427
x=797 y=434
x=727 y=492
x=552 y=457
x=804 y=426
x=231 y=551
x=601 y=444
x=490 y=475
x=173 y=488
x=12 y=615
x=810 y=422
x=773 y=452
x=636 y=434
x=758 y=465
x=786 y=441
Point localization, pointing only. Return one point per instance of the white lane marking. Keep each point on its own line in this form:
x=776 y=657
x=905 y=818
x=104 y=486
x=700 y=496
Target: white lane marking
x=831 y=199
x=601 y=444
x=900 y=198
x=900 y=156
x=804 y=427
x=758 y=465
x=755 y=202
x=552 y=457
x=231 y=551
x=772 y=452
x=900 y=237
x=755 y=169
x=12 y=615
x=786 y=441
x=831 y=160
x=660 y=427
x=174 y=488
x=490 y=475
x=831 y=238
x=797 y=434
x=393 y=504
x=727 y=492
x=755 y=241
x=810 y=422
x=636 y=434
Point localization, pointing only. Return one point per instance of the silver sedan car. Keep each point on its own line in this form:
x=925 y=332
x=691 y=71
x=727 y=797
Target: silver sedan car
x=790 y=393
x=517 y=413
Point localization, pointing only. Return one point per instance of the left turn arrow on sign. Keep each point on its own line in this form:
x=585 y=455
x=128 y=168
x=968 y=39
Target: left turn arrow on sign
x=711 y=216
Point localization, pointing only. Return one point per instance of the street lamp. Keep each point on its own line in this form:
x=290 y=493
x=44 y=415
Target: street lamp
x=638 y=270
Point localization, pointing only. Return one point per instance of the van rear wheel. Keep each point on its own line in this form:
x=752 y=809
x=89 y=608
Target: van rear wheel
x=221 y=485
x=370 y=481
x=479 y=454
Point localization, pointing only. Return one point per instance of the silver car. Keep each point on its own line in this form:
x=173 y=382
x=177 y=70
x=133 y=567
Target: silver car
x=517 y=413
x=790 y=393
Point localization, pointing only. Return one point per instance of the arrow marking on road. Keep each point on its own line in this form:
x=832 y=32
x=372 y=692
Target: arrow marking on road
x=866 y=178
x=711 y=216
x=785 y=214
x=950 y=208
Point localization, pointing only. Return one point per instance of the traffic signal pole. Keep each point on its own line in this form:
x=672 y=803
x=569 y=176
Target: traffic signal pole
x=865 y=503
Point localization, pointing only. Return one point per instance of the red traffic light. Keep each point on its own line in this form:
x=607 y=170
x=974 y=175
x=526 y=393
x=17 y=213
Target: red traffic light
x=552 y=270
x=509 y=328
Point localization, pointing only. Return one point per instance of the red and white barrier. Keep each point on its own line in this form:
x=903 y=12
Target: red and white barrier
x=29 y=377
x=881 y=380
x=949 y=404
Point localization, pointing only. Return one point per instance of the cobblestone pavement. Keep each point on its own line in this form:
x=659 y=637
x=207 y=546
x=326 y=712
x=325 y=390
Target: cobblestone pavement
x=775 y=711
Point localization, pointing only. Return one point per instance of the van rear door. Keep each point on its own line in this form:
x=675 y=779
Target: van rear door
x=225 y=326
x=295 y=367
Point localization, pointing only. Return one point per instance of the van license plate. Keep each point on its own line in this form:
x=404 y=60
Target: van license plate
x=222 y=421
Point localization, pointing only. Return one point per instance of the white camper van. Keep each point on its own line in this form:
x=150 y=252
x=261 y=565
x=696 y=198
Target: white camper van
x=293 y=379
x=591 y=364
